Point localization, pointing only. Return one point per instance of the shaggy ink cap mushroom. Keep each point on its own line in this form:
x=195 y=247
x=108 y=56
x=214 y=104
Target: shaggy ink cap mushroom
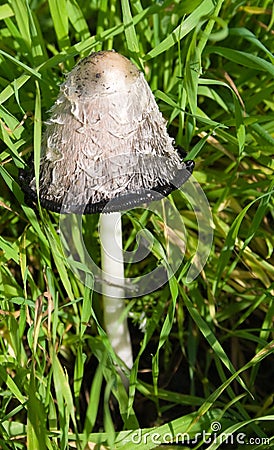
x=105 y=146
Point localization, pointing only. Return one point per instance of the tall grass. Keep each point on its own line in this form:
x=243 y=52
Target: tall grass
x=203 y=350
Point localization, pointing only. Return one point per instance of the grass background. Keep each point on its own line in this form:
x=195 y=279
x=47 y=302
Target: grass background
x=203 y=352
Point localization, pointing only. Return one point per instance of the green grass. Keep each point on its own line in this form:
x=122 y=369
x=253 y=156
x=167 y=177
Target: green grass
x=203 y=350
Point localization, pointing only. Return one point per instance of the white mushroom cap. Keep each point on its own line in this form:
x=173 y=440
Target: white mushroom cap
x=101 y=73
x=106 y=139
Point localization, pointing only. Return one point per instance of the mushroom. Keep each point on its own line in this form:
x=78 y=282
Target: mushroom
x=105 y=149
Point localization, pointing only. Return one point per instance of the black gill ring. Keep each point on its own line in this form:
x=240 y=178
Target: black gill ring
x=115 y=204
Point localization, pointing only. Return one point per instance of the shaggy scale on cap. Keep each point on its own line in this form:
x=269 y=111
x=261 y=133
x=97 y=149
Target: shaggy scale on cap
x=106 y=139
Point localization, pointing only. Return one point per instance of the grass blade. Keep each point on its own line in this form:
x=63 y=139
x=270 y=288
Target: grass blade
x=203 y=10
x=130 y=33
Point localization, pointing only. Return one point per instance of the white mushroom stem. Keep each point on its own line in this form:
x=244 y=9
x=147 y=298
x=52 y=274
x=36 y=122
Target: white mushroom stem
x=113 y=287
